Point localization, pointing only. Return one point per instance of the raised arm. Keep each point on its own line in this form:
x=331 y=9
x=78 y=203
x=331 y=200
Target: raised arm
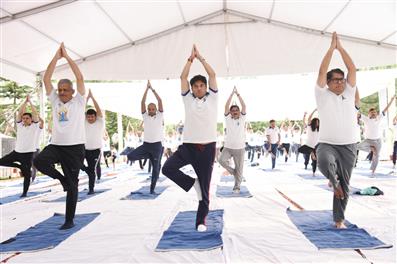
x=211 y=73
x=41 y=123
x=322 y=73
x=388 y=105
x=76 y=71
x=309 y=120
x=243 y=106
x=96 y=105
x=185 y=73
x=357 y=99
x=229 y=100
x=35 y=115
x=50 y=70
x=304 y=120
x=159 y=101
x=143 y=102
x=22 y=109
x=351 y=68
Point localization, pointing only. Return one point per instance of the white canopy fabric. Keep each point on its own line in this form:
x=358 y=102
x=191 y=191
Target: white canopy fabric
x=137 y=40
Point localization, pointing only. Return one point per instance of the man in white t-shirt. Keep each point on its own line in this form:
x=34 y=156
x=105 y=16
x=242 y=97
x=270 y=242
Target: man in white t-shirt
x=235 y=139
x=37 y=141
x=337 y=147
x=94 y=129
x=273 y=138
x=199 y=136
x=21 y=158
x=153 y=125
x=373 y=137
x=68 y=133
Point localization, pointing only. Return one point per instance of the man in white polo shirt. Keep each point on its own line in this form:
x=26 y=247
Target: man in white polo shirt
x=373 y=137
x=153 y=125
x=68 y=133
x=21 y=157
x=94 y=130
x=273 y=137
x=235 y=139
x=199 y=136
x=337 y=147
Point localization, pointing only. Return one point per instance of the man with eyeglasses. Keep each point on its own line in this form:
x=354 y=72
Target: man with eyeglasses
x=336 y=151
x=68 y=133
x=235 y=139
x=373 y=136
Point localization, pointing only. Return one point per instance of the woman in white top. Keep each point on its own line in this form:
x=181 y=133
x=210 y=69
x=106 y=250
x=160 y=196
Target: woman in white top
x=309 y=148
x=286 y=137
x=296 y=139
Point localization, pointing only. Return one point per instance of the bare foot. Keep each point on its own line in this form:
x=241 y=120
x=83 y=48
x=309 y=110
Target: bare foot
x=340 y=225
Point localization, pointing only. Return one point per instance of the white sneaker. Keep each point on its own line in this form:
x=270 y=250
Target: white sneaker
x=196 y=186
x=201 y=228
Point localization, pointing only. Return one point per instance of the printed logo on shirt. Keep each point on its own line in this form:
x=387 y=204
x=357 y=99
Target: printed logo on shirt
x=63 y=114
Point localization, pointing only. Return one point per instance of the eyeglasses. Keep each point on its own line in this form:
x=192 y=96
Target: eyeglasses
x=337 y=80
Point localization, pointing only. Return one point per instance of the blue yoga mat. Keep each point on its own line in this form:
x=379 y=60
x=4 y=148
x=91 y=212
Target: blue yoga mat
x=377 y=175
x=182 y=234
x=16 y=197
x=227 y=192
x=227 y=178
x=318 y=227
x=144 y=193
x=82 y=196
x=161 y=179
x=309 y=176
x=45 y=235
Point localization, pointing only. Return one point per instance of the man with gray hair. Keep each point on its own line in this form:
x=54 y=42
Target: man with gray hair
x=68 y=133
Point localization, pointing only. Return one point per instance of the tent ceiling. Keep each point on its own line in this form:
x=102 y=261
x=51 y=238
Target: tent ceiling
x=127 y=40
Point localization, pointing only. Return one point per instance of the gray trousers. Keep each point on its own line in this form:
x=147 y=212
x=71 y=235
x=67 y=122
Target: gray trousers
x=238 y=158
x=366 y=145
x=336 y=162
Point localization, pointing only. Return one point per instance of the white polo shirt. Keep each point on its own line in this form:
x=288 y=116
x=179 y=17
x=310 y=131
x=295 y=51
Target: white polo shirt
x=337 y=114
x=273 y=133
x=94 y=133
x=285 y=136
x=68 y=120
x=235 y=132
x=37 y=137
x=312 y=137
x=26 y=136
x=153 y=127
x=372 y=126
x=200 y=118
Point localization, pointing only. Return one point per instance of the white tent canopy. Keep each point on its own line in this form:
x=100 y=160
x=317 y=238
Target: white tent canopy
x=138 y=40
x=135 y=40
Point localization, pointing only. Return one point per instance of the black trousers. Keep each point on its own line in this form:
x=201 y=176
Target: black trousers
x=25 y=165
x=153 y=152
x=201 y=157
x=71 y=159
x=93 y=169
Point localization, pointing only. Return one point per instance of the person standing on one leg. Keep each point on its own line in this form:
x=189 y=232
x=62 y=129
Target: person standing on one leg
x=336 y=151
x=21 y=157
x=94 y=129
x=37 y=141
x=153 y=125
x=235 y=139
x=273 y=137
x=286 y=137
x=199 y=136
x=68 y=133
x=373 y=137
x=309 y=148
